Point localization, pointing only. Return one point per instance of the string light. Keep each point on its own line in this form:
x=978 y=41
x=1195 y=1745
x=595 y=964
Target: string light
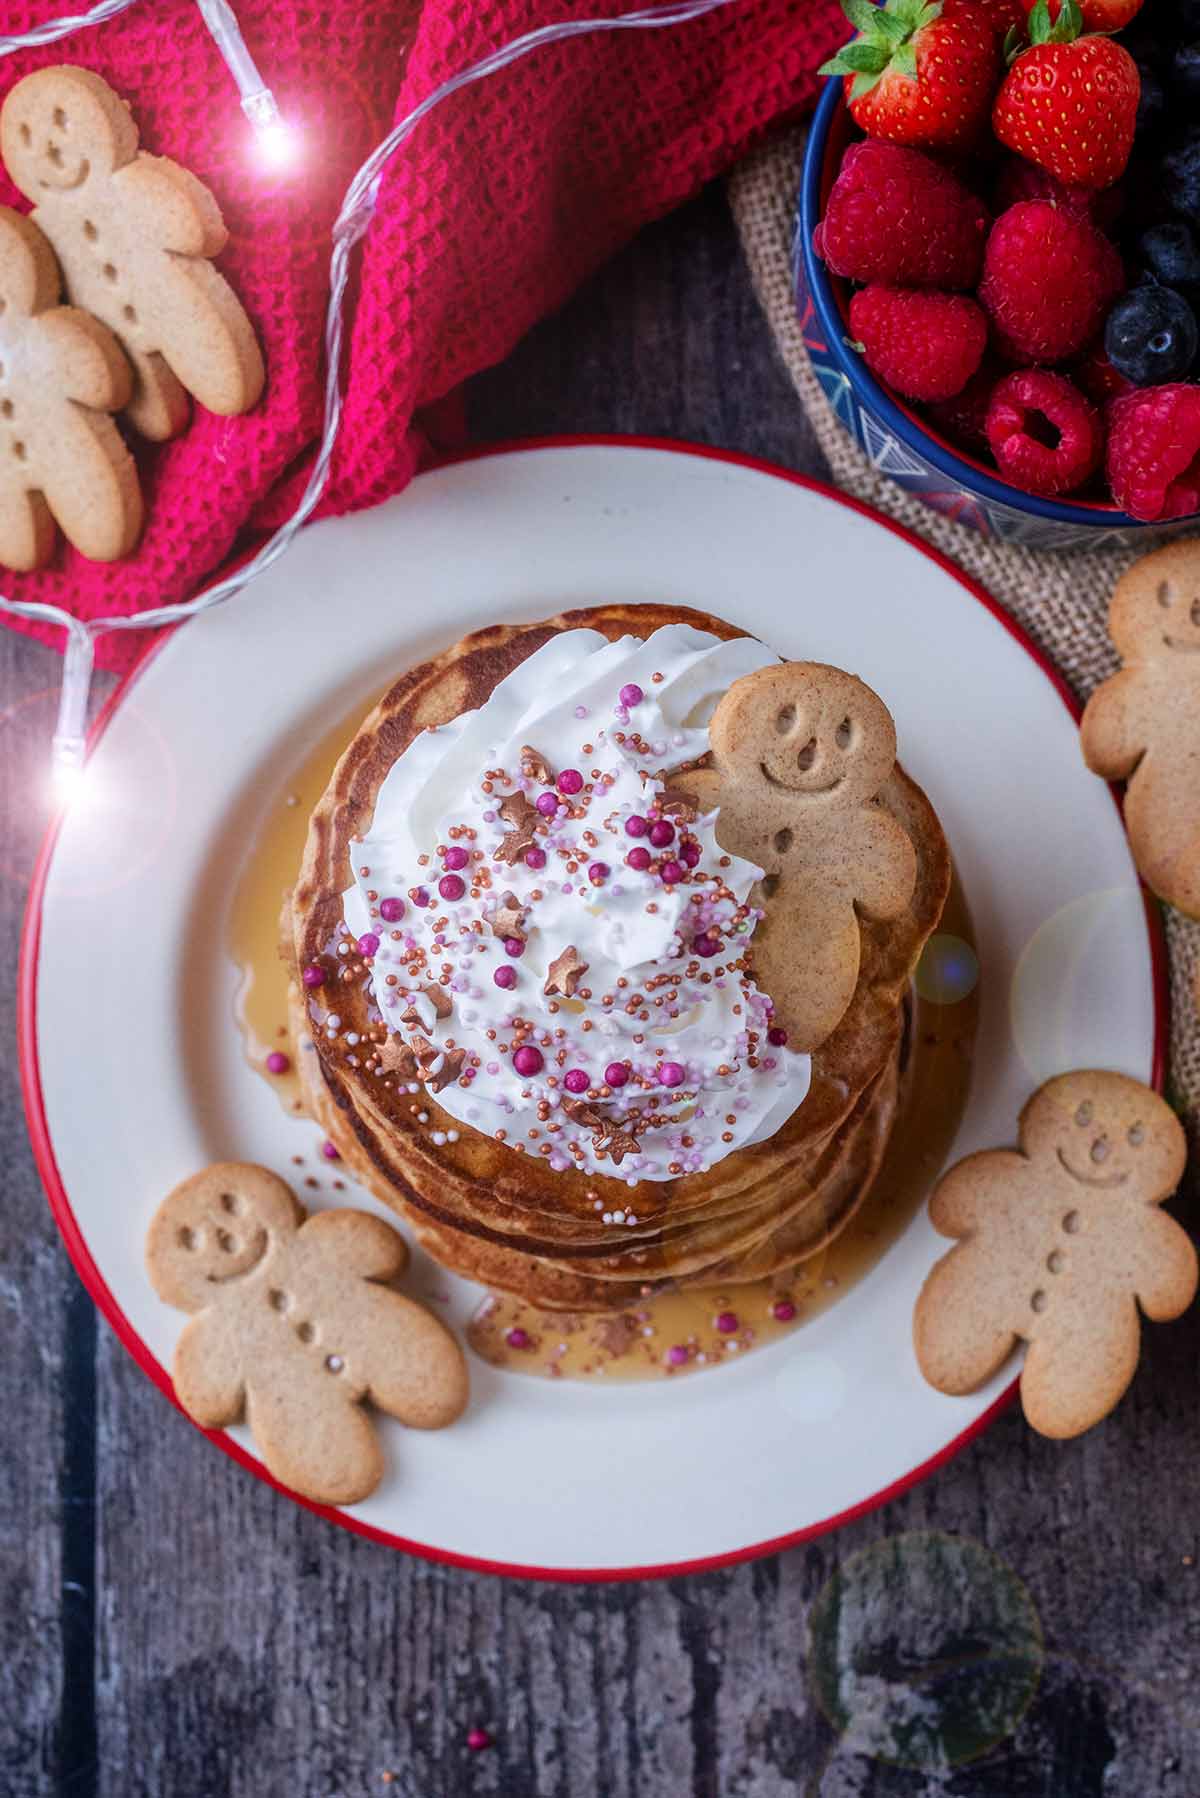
x=353 y=220
x=276 y=142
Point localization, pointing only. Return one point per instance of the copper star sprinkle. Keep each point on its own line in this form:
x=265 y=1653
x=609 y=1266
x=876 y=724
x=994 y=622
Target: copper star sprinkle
x=612 y=1140
x=509 y=917
x=534 y=765
x=517 y=811
x=451 y=1068
x=678 y=804
x=438 y=997
x=580 y=1112
x=396 y=1058
x=565 y=972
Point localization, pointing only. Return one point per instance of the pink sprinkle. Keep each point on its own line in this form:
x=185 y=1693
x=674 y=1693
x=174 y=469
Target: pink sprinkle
x=581 y=711
x=706 y=945
x=330 y=1152
x=478 y=1739
x=638 y=858
x=598 y=873
x=313 y=976
x=670 y=873
x=528 y=1060
x=570 y=781
x=676 y=1356
x=456 y=857
x=631 y=694
x=547 y=804
x=277 y=1062
x=391 y=910
x=671 y=1073
x=615 y=1074
x=636 y=826
x=505 y=975
x=419 y=896
x=575 y=1080
x=368 y=943
x=689 y=854
x=519 y=1339
x=452 y=886
x=535 y=858
x=662 y=832
x=777 y=1036
x=727 y=1322
x=783 y=1311
x=514 y=945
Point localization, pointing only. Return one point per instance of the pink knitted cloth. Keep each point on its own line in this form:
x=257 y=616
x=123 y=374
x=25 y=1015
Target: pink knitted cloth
x=506 y=197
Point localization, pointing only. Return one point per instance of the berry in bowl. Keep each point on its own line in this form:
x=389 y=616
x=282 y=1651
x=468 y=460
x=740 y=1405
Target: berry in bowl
x=997 y=260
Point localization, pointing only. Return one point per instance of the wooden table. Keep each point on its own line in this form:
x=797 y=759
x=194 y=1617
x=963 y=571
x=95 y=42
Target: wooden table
x=171 y=1627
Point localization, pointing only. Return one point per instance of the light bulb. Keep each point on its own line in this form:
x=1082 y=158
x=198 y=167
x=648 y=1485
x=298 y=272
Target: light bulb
x=275 y=141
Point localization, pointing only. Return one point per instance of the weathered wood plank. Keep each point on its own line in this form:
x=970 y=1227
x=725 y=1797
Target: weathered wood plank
x=244 y=1648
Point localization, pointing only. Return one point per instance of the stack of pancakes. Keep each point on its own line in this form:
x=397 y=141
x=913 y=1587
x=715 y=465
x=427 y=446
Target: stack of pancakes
x=508 y=1220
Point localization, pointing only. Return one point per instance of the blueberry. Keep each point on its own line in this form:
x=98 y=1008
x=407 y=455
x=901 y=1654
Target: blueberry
x=1152 y=100
x=1180 y=178
x=1185 y=74
x=1151 y=336
x=1171 y=253
x=1185 y=22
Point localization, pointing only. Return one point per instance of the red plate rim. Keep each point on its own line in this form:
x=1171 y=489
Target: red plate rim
x=77 y=1248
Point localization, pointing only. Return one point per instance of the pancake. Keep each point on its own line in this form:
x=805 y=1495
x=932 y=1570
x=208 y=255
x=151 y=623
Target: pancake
x=509 y=1219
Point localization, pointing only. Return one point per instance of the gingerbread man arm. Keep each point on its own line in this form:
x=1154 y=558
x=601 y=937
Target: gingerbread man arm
x=965 y=1195
x=886 y=869
x=958 y=1346
x=359 y=1242
x=1166 y=1271
x=90 y=362
x=1114 y=732
x=174 y=210
x=414 y=1367
x=208 y=1371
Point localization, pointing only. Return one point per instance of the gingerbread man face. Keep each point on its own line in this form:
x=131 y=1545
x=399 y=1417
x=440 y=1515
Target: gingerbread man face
x=811 y=736
x=61 y=128
x=1157 y=618
x=216 y=1229
x=1105 y=1133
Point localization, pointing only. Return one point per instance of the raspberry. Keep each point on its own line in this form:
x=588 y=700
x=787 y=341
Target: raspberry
x=1020 y=180
x=1046 y=437
x=964 y=418
x=896 y=215
x=1154 y=451
x=1048 y=280
x=1097 y=376
x=925 y=345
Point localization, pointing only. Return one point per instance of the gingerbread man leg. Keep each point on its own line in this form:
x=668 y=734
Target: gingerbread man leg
x=1074 y=1377
x=27 y=530
x=159 y=407
x=1184 y=886
x=296 y=1427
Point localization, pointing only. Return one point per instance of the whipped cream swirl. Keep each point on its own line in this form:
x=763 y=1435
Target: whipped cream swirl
x=554 y=939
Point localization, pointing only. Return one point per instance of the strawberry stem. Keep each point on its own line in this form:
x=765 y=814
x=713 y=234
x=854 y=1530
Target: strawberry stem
x=886 y=41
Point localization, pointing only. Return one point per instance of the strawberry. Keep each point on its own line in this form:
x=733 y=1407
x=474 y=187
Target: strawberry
x=1006 y=15
x=1099 y=15
x=920 y=71
x=1069 y=103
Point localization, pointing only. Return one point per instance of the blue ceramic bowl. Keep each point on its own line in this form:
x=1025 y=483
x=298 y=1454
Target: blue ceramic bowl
x=895 y=440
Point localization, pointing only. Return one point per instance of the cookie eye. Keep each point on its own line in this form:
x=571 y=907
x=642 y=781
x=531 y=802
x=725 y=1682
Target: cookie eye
x=1084 y=1115
x=785 y=719
x=186 y=1238
x=26 y=135
x=1194 y=613
x=843 y=736
x=1137 y=1136
x=807 y=756
x=230 y=1204
x=1166 y=593
x=60 y=118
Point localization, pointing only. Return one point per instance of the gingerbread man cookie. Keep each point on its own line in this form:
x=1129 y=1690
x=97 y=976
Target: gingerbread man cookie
x=292 y=1329
x=134 y=234
x=1059 y=1244
x=800 y=752
x=62 y=458
x=1143 y=725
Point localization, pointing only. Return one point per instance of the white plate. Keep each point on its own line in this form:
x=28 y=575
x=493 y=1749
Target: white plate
x=133 y=1066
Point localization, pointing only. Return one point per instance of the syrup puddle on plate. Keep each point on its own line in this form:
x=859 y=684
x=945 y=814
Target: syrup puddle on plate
x=670 y=1333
